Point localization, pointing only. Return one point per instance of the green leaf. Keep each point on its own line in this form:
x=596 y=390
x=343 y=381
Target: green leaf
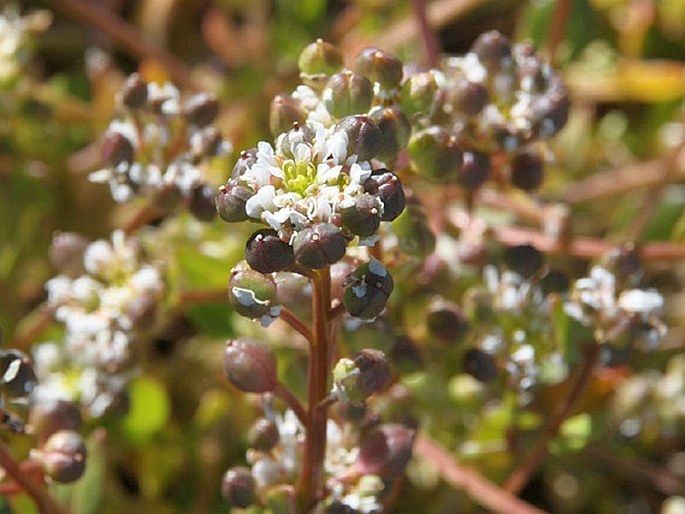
x=149 y=411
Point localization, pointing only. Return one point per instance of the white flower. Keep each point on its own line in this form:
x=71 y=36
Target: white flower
x=639 y=301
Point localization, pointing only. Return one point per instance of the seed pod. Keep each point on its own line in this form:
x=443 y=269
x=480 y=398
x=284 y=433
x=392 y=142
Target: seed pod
x=318 y=246
x=238 y=487
x=201 y=109
x=263 y=435
x=418 y=92
x=395 y=128
x=284 y=112
x=266 y=253
x=133 y=93
x=320 y=58
x=367 y=290
x=364 y=136
x=251 y=294
x=480 y=365
x=414 y=236
x=64 y=456
x=250 y=365
x=116 y=148
x=356 y=380
x=446 y=321
x=202 y=203
x=245 y=161
x=526 y=260
x=387 y=186
x=348 y=93
x=379 y=66
x=493 y=50
x=474 y=171
x=47 y=417
x=363 y=217
x=434 y=154
x=17 y=377
x=527 y=170
x=230 y=201
x=471 y=98
x=66 y=253
x=386 y=450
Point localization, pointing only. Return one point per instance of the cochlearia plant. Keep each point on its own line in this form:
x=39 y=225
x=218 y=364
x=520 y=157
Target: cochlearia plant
x=338 y=281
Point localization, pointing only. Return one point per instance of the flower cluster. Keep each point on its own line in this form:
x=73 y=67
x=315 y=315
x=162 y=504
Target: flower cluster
x=104 y=310
x=158 y=145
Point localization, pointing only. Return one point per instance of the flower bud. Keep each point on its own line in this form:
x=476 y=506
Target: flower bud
x=470 y=98
x=363 y=217
x=434 y=154
x=284 y=112
x=281 y=499
x=527 y=170
x=318 y=59
x=133 y=93
x=318 y=246
x=64 y=456
x=116 y=148
x=266 y=252
x=201 y=109
x=238 y=487
x=480 y=365
x=251 y=294
x=367 y=290
x=446 y=322
x=356 y=380
x=230 y=201
x=364 y=136
x=207 y=143
x=49 y=416
x=405 y=354
x=550 y=113
x=554 y=282
x=478 y=305
x=418 y=92
x=263 y=435
x=387 y=186
x=348 y=93
x=17 y=376
x=493 y=50
x=66 y=253
x=395 y=128
x=526 y=260
x=379 y=66
x=202 y=203
x=414 y=236
x=245 y=161
x=474 y=171
x=250 y=365
x=386 y=450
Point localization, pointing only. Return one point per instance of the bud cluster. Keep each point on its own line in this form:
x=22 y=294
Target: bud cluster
x=158 y=145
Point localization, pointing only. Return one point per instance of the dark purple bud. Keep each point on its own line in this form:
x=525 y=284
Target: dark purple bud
x=348 y=93
x=285 y=111
x=266 y=252
x=238 y=487
x=245 y=161
x=364 y=136
x=480 y=365
x=395 y=128
x=116 y=148
x=526 y=260
x=318 y=246
x=367 y=290
x=446 y=321
x=379 y=66
x=363 y=217
x=202 y=203
x=471 y=98
x=554 y=282
x=250 y=365
x=550 y=113
x=263 y=435
x=357 y=379
x=17 y=377
x=230 y=201
x=201 y=109
x=493 y=50
x=64 y=456
x=527 y=170
x=386 y=450
x=133 y=93
x=414 y=236
x=387 y=186
x=47 y=417
x=209 y=144
x=474 y=171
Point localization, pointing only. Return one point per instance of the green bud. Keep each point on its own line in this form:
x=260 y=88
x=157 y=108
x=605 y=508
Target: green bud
x=348 y=93
x=281 y=499
x=379 y=66
x=284 y=113
x=414 y=236
x=250 y=365
x=252 y=294
x=418 y=92
x=356 y=380
x=318 y=61
x=435 y=154
x=367 y=290
x=395 y=128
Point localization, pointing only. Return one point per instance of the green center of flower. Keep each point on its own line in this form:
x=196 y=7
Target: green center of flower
x=299 y=176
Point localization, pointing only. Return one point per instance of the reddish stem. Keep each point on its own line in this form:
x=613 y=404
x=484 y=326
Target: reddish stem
x=297 y=324
x=431 y=46
x=291 y=401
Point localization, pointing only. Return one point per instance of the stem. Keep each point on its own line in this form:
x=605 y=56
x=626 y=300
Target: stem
x=203 y=296
x=141 y=218
x=520 y=476
x=297 y=324
x=557 y=29
x=310 y=482
x=431 y=46
x=486 y=493
x=44 y=501
x=38 y=325
x=291 y=401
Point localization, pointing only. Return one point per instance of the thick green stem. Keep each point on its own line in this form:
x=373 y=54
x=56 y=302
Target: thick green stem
x=310 y=483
